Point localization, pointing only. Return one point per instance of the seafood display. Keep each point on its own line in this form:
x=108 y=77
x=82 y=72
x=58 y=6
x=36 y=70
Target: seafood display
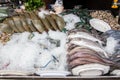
x=66 y=42
x=33 y=21
x=86 y=57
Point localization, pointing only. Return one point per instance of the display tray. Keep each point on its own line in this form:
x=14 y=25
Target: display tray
x=59 y=78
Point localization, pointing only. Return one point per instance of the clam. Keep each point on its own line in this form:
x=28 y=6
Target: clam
x=91 y=70
x=99 y=25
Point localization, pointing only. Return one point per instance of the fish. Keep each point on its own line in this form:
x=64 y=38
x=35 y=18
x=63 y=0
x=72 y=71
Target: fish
x=18 y=24
x=11 y=23
x=59 y=20
x=5 y=28
x=84 y=35
x=93 y=69
x=52 y=22
x=89 y=44
x=24 y=23
x=29 y=22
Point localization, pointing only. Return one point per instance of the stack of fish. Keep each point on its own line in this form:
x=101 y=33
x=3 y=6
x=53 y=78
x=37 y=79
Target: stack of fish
x=86 y=57
x=34 y=21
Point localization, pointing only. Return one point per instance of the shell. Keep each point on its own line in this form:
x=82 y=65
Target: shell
x=30 y=21
x=99 y=25
x=5 y=28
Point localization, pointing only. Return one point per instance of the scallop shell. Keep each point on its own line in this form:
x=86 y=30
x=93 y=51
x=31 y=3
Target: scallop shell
x=5 y=28
x=30 y=21
x=99 y=25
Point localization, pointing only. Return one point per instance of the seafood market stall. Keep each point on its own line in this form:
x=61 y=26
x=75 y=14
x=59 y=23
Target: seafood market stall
x=42 y=43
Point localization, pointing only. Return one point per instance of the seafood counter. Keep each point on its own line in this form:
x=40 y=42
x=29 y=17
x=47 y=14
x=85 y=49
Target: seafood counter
x=76 y=42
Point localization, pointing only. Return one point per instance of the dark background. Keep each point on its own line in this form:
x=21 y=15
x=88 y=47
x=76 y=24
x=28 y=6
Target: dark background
x=89 y=4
